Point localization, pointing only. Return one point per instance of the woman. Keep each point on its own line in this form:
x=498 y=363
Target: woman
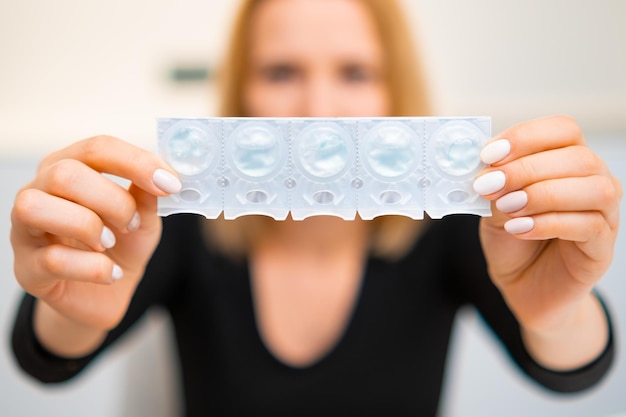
x=322 y=315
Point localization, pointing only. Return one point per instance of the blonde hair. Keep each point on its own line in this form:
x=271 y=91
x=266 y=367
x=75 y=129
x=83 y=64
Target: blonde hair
x=393 y=235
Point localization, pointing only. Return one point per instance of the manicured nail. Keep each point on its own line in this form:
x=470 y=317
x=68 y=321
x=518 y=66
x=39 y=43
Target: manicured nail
x=134 y=223
x=117 y=273
x=519 y=225
x=511 y=202
x=489 y=183
x=107 y=238
x=495 y=151
x=166 y=181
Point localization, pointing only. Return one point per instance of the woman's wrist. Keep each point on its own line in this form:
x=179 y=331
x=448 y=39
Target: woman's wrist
x=576 y=342
x=62 y=336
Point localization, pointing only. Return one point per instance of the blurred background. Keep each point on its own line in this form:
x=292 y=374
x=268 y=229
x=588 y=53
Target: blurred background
x=71 y=69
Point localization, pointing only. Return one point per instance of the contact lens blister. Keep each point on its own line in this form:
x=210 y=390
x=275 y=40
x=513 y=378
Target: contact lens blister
x=324 y=166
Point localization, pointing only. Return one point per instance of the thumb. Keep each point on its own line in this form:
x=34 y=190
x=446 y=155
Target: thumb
x=146 y=207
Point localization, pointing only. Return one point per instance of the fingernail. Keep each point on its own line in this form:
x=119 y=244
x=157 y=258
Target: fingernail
x=117 y=273
x=166 y=181
x=519 y=225
x=107 y=238
x=134 y=223
x=495 y=151
x=511 y=202
x=489 y=183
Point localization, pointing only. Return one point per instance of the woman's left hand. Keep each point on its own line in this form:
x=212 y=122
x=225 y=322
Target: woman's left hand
x=555 y=219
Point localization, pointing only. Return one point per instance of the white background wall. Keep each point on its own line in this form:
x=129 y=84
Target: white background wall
x=73 y=68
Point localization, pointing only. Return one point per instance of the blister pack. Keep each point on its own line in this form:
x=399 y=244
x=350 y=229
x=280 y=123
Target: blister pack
x=324 y=166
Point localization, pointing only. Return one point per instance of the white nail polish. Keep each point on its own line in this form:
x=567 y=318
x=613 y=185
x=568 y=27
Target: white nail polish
x=519 y=225
x=489 y=183
x=166 y=181
x=495 y=151
x=134 y=223
x=117 y=273
x=511 y=202
x=107 y=238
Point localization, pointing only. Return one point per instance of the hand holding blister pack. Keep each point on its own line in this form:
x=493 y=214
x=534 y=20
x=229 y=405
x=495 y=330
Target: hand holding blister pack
x=324 y=166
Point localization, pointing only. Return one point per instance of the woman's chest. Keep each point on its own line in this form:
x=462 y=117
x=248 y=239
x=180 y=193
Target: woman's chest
x=303 y=301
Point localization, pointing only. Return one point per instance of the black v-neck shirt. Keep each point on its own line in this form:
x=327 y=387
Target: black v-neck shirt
x=389 y=361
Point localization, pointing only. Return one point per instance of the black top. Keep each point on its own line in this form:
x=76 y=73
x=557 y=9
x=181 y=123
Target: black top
x=389 y=361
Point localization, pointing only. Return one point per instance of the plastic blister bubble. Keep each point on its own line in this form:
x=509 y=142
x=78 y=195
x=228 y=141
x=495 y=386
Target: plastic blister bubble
x=323 y=151
x=391 y=150
x=255 y=150
x=189 y=148
x=324 y=166
x=457 y=148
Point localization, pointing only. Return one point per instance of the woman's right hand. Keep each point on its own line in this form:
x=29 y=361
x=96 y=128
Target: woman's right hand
x=81 y=241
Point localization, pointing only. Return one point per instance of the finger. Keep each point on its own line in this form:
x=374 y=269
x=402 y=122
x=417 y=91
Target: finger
x=51 y=265
x=146 y=205
x=531 y=137
x=584 y=237
x=74 y=181
x=593 y=193
x=572 y=161
x=117 y=157
x=37 y=213
x=572 y=226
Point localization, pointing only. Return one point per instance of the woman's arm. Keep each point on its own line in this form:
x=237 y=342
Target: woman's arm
x=551 y=237
x=81 y=241
x=578 y=341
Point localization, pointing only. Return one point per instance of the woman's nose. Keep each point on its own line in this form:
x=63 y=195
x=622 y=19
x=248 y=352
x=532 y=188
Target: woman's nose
x=319 y=98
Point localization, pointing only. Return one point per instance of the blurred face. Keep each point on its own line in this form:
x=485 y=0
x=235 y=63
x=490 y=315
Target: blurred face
x=315 y=58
